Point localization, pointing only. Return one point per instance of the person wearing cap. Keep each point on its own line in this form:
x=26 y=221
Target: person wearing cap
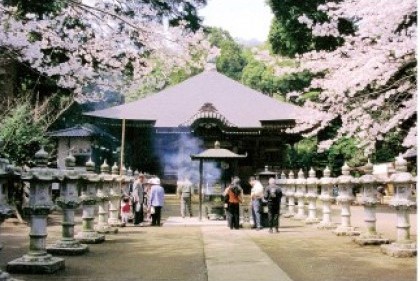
x=138 y=198
x=157 y=200
x=234 y=194
x=273 y=194
x=185 y=191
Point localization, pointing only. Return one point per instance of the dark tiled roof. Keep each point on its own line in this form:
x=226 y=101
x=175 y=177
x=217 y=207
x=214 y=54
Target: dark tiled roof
x=86 y=130
x=178 y=105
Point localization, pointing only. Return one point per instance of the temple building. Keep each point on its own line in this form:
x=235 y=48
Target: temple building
x=203 y=109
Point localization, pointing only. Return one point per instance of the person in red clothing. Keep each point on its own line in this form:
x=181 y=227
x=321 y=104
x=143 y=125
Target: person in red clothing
x=234 y=194
x=125 y=210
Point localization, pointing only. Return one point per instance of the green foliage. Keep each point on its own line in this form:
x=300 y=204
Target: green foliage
x=231 y=61
x=387 y=149
x=288 y=37
x=305 y=155
x=21 y=135
x=259 y=76
x=38 y=7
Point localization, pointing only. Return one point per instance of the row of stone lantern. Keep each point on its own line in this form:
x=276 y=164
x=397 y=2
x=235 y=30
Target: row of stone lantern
x=301 y=188
x=102 y=189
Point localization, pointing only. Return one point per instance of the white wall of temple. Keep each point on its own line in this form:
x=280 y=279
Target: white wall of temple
x=79 y=146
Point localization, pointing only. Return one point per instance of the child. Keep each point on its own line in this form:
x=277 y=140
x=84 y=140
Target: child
x=125 y=210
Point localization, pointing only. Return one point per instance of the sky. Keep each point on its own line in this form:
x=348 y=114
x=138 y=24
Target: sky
x=245 y=19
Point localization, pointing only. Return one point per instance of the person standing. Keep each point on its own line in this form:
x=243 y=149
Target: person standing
x=157 y=200
x=185 y=191
x=138 y=197
x=234 y=194
x=273 y=194
x=257 y=193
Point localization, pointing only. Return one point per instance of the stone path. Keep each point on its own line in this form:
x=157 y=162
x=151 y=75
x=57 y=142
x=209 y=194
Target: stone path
x=232 y=255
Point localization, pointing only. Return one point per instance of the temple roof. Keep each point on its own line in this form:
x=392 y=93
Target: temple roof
x=206 y=95
x=85 y=130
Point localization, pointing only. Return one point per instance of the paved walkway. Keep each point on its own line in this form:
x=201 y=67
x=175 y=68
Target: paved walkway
x=232 y=255
x=190 y=250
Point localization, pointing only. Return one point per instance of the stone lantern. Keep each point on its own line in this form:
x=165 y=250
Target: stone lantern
x=403 y=181
x=345 y=197
x=311 y=196
x=115 y=197
x=282 y=183
x=68 y=202
x=40 y=205
x=369 y=201
x=290 y=194
x=90 y=182
x=327 y=184
x=300 y=184
x=103 y=197
x=6 y=211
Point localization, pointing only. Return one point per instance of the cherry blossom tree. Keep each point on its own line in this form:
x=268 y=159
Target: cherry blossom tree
x=369 y=82
x=99 y=45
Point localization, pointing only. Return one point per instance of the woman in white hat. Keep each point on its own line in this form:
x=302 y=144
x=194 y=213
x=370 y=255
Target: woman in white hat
x=157 y=200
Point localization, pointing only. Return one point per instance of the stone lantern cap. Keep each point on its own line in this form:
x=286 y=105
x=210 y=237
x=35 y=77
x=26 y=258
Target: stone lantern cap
x=312 y=180
x=70 y=173
x=90 y=174
x=70 y=161
x=114 y=169
x=368 y=178
x=346 y=178
x=282 y=180
x=105 y=168
x=327 y=179
x=401 y=176
x=291 y=178
x=301 y=178
x=41 y=172
x=41 y=157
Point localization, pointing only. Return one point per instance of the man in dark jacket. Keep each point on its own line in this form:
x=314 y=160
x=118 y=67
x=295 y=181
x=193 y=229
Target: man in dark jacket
x=273 y=194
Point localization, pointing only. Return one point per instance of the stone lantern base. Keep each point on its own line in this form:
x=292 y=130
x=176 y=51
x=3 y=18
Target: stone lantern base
x=371 y=239
x=299 y=217
x=67 y=248
x=346 y=231
x=312 y=220
x=106 y=229
x=288 y=215
x=326 y=225
x=400 y=249
x=36 y=264
x=90 y=237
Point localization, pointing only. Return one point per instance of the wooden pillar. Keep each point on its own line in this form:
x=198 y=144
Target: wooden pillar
x=200 y=190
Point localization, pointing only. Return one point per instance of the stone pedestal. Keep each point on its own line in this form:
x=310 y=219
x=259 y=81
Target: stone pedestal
x=326 y=183
x=103 y=201
x=403 y=181
x=300 y=193
x=5 y=209
x=282 y=183
x=40 y=204
x=115 y=197
x=68 y=202
x=311 y=196
x=290 y=194
x=345 y=197
x=88 y=198
x=369 y=201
